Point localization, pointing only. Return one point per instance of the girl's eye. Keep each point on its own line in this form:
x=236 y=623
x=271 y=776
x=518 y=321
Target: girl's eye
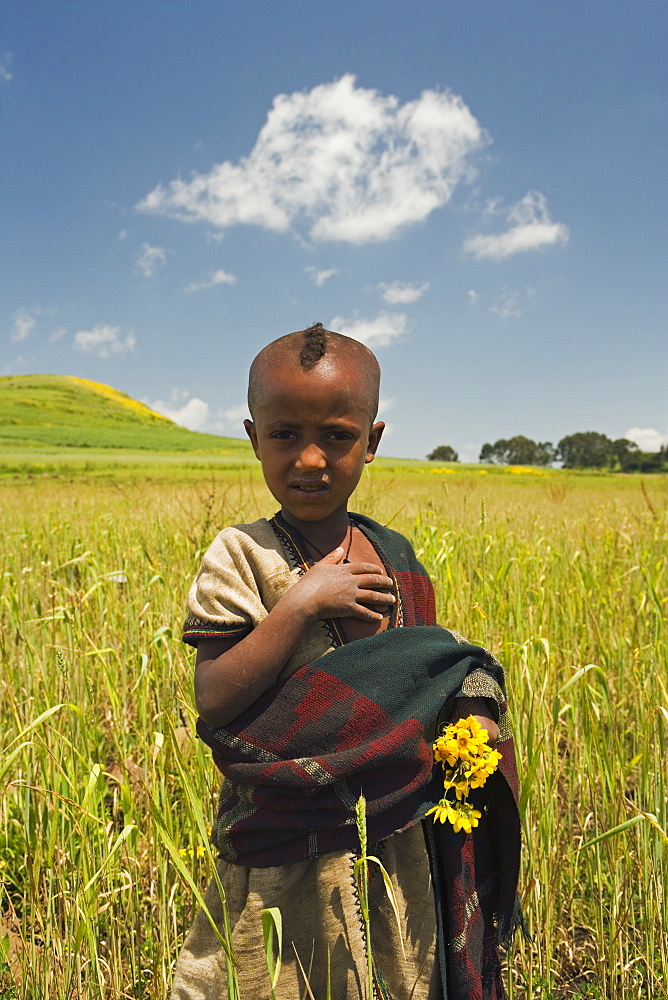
x=282 y=435
x=340 y=436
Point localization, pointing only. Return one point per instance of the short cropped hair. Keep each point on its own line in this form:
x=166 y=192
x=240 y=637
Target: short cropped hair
x=306 y=349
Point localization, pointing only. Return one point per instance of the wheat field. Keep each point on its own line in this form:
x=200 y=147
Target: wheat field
x=106 y=794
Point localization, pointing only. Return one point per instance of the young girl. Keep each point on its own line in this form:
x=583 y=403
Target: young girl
x=320 y=674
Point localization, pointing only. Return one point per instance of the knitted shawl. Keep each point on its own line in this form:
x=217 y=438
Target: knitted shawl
x=361 y=720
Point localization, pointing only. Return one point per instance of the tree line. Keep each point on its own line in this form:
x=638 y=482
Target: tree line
x=584 y=450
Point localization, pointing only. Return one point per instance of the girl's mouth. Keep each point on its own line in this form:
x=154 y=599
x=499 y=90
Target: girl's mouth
x=310 y=490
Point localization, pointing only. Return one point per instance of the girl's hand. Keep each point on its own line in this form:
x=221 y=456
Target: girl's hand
x=334 y=589
x=491 y=727
x=463 y=707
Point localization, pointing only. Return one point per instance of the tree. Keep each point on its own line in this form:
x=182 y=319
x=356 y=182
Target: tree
x=487 y=452
x=586 y=450
x=444 y=453
x=626 y=452
x=519 y=450
x=545 y=453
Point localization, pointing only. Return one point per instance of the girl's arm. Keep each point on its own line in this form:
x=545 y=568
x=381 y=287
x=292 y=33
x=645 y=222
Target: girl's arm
x=231 y=674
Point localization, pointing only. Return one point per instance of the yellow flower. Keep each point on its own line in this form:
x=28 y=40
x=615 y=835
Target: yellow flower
x=461 y=815
x=443 y=811
x=466 y=817
x=446 y=750
x=188 y=852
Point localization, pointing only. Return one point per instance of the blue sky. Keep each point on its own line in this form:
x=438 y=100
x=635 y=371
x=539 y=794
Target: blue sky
x=474 y=188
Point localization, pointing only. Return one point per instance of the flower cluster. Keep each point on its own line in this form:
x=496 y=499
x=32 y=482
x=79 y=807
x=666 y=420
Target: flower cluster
x=468 y=760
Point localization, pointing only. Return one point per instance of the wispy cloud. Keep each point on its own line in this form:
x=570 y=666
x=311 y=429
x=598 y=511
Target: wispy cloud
x=647 y=438
x=57 y=334
x=219 y=277
x=401 y=292
x=320 y=277
x=379 y=332
x=472 y=296
x=531 y=228
x=23 y=322
x=343 y=162
x=16 y=364
x=511 y=303
x=104 y=341
x=6 y=60
x=150 y=259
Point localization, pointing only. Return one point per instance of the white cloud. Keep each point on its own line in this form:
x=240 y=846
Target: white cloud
x=647 y=438
x=347 y=162
x=23 y=322
x=104 y=341
x=379 y=332
x=219 y=277
x=401 y=292
x=6 y=60
x=235 y=414
x=384 y=405
x=472 y=296
x=320 y=277
x=531 y=229
x=57 y=334
x=123 y=235
x=150 y=259
x=194 y=414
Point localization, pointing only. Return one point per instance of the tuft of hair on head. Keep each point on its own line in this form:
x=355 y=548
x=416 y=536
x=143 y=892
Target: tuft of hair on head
x=315 y=346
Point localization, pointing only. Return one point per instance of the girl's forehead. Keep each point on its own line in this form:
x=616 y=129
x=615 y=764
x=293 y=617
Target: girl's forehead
x=335 y=389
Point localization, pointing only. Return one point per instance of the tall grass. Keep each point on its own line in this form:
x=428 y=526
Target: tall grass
x=106 y=793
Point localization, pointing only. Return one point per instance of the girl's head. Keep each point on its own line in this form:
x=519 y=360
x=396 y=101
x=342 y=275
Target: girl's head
x=313 y=398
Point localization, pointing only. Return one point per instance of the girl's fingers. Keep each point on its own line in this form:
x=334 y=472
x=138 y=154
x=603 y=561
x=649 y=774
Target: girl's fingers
x=366 y=614
x=334 y=557
x=374 y=581
x=363 y=568
x=375 y=597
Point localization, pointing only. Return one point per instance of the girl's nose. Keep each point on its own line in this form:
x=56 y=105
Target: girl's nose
x=311 y=459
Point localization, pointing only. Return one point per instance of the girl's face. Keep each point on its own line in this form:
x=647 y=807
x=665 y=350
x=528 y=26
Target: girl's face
x=312 y=432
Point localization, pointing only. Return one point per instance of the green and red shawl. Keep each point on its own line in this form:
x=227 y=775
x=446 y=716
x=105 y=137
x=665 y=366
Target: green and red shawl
x=361 y=720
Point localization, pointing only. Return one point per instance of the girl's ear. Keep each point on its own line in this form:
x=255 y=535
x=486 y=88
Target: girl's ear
x=250 y=429
x=375 y=434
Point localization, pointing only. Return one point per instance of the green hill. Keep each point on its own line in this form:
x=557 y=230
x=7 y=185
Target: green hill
x=61 y=411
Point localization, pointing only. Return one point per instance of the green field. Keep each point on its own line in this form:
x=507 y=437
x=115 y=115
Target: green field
x=563 y=576
x=106 y=793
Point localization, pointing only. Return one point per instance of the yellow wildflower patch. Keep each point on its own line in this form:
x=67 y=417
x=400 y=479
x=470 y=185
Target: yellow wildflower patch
x=118 y=397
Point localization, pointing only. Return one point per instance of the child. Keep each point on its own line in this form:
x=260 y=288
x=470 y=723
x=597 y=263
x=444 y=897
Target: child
x=298 y=734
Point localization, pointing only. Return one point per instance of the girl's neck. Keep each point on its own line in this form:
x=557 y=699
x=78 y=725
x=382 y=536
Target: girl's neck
x=327 y=534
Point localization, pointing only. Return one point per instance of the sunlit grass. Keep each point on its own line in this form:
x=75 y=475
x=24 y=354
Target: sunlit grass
x=564 y=577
